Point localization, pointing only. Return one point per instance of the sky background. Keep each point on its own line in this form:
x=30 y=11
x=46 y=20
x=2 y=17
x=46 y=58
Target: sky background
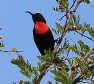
x=17 y=29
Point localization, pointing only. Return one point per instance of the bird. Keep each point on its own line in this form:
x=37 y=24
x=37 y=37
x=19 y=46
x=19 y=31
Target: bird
x=42 y=34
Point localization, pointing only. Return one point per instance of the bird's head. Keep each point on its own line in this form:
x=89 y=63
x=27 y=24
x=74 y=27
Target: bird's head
x=37 y=17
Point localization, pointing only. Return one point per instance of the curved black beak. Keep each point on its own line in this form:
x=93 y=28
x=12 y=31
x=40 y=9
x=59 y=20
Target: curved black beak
x=29 y=12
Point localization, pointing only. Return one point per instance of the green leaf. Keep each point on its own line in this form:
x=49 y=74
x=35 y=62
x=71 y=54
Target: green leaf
x=84 y=47
x=61 y=76
x=63 y=2
x=59 y=28
x=55 y=31
x=76 y=20
x=91 y=31
x=1 y=45
x=35 y=71
x=83 y=28
x=27 y=82
x=25 y=67
x=64 y=48
x=91 y=57
x=74 y=49
x=71 y=22
x=41 y=66
x=82 y=64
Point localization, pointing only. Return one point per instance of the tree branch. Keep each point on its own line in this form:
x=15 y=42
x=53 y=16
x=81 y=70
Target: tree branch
x=42 y=73
x=73 y=3
x=86 y=56
x=7 y=51
x=67 y=27
x=83 y=74
x=58 y=44
x=88 y=53
x=84 y=35
x=10 y=51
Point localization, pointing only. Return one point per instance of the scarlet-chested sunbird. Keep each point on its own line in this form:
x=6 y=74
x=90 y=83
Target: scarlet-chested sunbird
x=42 y=34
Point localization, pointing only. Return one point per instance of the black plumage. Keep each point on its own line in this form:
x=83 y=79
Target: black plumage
x=43 y=41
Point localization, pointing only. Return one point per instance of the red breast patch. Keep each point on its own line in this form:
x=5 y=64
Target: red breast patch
x=40 y=28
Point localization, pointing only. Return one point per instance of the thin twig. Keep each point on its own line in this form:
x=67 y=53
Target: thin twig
x=10 y=55
x=17 y=53
x=10 y=51
x=7 y=51
x=88 y=53
x=42 y=73
x=63 y=16
x=74 y=42
x=73 y=3
x=84 y=35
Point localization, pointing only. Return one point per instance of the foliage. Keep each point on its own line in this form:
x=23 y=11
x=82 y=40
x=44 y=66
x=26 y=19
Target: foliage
x=69 y=63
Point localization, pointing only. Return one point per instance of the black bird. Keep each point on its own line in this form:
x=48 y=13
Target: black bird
x=42 y=34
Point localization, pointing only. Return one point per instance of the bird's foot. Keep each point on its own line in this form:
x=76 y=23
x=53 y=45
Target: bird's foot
x=57 y=40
